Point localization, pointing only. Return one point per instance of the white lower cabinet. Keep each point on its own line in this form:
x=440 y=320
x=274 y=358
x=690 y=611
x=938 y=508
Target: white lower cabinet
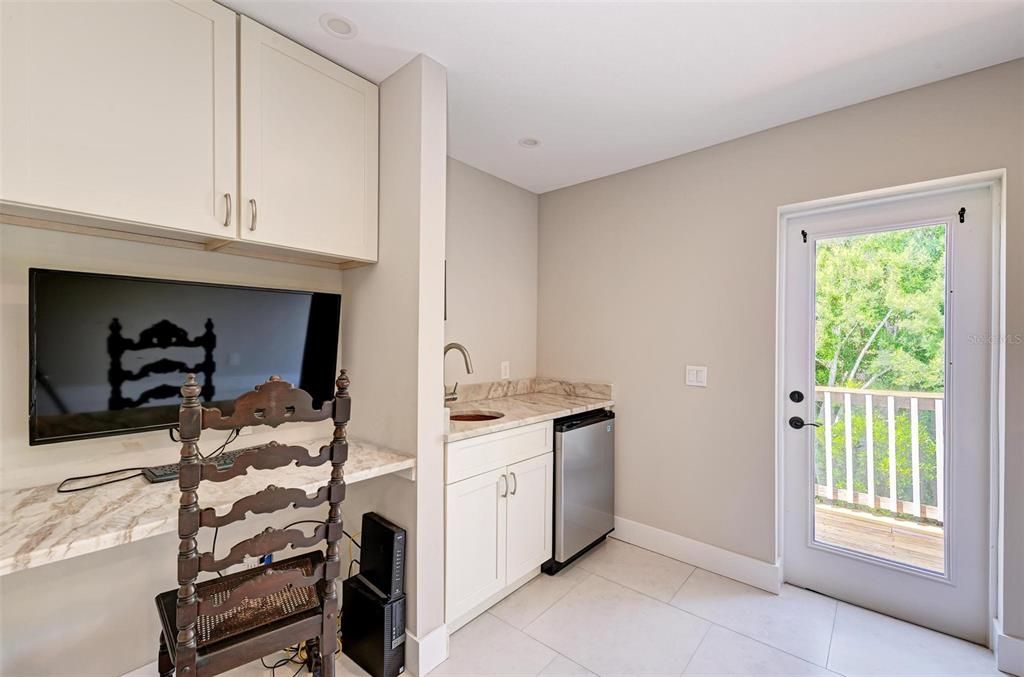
x=475 y=523
x=529 y=516
x=498 y=524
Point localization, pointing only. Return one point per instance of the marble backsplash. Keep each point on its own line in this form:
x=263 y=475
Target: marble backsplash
x=492 y=390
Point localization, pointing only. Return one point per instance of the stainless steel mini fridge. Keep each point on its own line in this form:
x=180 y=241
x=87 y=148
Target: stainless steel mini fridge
x=584 y=485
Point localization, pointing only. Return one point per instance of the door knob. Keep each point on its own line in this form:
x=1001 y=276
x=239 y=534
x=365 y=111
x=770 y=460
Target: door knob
x=798 y=423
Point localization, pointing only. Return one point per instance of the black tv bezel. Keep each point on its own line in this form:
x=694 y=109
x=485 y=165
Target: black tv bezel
x=33 y=438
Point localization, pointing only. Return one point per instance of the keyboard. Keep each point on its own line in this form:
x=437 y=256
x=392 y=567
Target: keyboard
x=166 y=473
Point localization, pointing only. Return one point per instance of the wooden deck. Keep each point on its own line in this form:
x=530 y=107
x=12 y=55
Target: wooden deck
x=898 y=540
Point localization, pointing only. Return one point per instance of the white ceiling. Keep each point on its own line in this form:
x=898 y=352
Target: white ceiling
x=615 y=85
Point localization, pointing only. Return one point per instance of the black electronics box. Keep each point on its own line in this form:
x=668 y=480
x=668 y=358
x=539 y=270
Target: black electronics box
x=382 y=555
x=372 y=628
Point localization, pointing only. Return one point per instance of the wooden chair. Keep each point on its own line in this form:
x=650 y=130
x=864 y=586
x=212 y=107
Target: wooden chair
x=221 y=623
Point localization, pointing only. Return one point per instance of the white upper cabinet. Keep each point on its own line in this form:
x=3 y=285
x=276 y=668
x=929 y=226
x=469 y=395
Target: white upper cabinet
x=309 y=133
x=120 y=110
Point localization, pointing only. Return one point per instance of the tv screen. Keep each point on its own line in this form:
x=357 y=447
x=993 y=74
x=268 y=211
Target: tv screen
x=109 y=353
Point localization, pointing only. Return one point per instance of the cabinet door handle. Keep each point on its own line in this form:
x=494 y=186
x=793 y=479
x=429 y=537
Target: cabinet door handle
x=515 y=483
x=504 y=489
x=252 y=206
x=227 y=212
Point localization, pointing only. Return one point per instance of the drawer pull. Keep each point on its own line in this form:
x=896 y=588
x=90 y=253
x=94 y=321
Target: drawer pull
x=252 y=205
x=515 y=483
x=504 y=486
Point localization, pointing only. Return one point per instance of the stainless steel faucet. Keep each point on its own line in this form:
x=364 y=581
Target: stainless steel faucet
x=452 y=395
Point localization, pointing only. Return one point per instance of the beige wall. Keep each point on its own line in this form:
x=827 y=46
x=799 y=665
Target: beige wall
x=394 y=327
x=671 y=264
x=491 y=252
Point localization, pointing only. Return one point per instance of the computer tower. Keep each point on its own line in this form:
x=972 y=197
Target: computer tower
x=382 y=555
x=372 y=628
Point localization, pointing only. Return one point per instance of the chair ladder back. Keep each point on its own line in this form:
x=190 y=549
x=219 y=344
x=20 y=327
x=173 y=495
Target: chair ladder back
x=272 y=403
x=263 y=502
x=266 y=457
x=267 y=542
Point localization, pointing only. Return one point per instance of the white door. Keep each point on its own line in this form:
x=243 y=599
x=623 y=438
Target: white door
x=530 y=518
x=887 y=320
x=309 y=149
x=475 y=517
x=122 y=110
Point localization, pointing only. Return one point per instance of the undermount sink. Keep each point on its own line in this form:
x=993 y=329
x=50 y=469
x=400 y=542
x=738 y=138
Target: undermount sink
x=476 y=415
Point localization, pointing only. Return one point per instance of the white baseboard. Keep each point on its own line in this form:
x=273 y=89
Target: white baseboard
x=423 y=654
x=1009 y=650
x=724 y=562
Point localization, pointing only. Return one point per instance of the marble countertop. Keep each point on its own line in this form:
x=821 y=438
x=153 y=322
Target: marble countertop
x=521 y=409
x=39 y=526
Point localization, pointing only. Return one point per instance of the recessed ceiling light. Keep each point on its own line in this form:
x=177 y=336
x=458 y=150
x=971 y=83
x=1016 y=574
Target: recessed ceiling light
x=338 y=26
x=527 y=142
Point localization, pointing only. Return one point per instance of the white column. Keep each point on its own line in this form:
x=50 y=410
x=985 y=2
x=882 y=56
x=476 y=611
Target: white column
x=915 y=456
x=848 y=430
x=828 y=443
x=869 y=442
x=891 y=418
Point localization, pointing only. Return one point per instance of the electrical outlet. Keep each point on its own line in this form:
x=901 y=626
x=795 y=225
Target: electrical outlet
x=697 y=376
x=506 y=371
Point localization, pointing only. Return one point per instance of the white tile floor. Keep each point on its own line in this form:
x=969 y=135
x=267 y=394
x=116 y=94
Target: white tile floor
x=624 y=611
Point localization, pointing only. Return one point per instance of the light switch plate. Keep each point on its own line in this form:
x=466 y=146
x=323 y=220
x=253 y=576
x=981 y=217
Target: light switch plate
x=506 y=370
x=697 y=376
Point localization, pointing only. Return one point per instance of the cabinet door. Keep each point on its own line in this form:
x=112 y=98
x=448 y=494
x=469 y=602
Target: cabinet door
x=475 y=541
x=309 y=149
x=122 y=110
x=530 y=506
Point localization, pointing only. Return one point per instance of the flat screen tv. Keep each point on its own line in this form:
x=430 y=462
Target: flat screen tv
x=109 y=353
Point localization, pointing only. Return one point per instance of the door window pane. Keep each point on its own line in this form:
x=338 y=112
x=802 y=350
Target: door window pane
x=879 y=395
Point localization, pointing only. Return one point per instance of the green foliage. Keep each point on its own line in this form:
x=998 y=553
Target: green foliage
x=880 y=436
x=880 y=325
x=880 y=304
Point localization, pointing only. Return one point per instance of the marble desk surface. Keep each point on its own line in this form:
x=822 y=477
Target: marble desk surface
x=521 y=409
x=39 y=526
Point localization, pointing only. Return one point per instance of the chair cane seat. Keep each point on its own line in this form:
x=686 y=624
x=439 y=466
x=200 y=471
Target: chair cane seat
x=252 y=613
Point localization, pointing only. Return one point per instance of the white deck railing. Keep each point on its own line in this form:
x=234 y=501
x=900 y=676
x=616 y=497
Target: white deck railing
x=895 y=401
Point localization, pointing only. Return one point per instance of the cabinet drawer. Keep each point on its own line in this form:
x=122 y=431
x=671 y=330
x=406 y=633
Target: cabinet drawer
x=476 y=455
